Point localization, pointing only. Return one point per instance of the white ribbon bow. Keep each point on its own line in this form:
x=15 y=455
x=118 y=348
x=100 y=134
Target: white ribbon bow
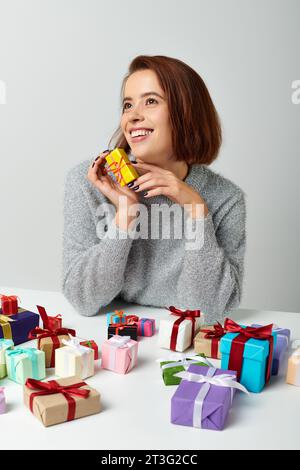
x=118 y=342
x=222 y=380
x=74 y=343
x=184 y=360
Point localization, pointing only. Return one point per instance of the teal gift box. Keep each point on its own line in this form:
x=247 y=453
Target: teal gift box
x=118 y=317
x=5 y=344
x=25 y=363
x=254 y=362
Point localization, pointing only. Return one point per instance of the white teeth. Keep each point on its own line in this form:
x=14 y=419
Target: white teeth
x=140 y=132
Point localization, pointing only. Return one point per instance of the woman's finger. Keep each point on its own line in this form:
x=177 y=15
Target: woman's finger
x=152 y=183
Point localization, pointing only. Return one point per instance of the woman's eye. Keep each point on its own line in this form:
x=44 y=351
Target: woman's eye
x=149 y=99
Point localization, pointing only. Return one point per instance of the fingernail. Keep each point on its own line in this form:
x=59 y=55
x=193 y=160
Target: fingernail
x=136 y=187
x=93 y=165
x=106 y=151
x=97 y=158
x=130 y=184
x=145 y=193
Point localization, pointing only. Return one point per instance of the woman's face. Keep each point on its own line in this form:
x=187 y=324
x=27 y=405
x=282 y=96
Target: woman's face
x=149 y=112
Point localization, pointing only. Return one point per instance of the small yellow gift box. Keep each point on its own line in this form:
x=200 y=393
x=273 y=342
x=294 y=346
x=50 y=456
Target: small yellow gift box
x=120 y=165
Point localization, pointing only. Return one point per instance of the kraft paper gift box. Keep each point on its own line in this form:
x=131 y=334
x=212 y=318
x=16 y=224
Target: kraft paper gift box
x=117 y=317
x=24 y=363
x=177 y=330
x=90 y=343
x=119 y=354
x=293 y=371
x=48 y=341
x=120 y=166
x=2 y=401
x=204 y=397
x=171 y=367
x=146 y=327
x=5 y=344
x=74 y=360
x=121 y=329
x=282 y=345
x=9 y=304
x=58 y=401
x=18 y=326
x=248 y=351
x=207 y=340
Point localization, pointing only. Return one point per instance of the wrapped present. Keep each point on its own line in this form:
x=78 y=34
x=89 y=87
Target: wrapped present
x=9 y=304
x=48 y=341
x=119 y=354
x=282 y=345
x=293 y=371
x=177 y=331
x=146 y=327
x=2 y=401
x=131 y=319
x=120 y=166
x=5 y=344
x=118 y=317
x=249 y=352
x=204 y=397
x=123 y=329
x=49 y=323
x=18 y=326
x=74 y=360
x=207 y=340
x=58 y=401
x=24 y=363
x=178 y=364
x=92 y=345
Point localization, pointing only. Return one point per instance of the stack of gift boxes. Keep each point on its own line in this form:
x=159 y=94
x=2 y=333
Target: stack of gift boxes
x=249 y=356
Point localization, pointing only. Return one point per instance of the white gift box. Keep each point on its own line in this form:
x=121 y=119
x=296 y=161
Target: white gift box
x=184 y=337
x=74 y=360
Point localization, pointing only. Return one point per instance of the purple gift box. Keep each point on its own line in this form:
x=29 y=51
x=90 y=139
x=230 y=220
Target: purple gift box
x=282 y=345
x=21 y=324
x=202 y=405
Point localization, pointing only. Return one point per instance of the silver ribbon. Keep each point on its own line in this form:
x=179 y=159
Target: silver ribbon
x=222 y=380
x=186 y=362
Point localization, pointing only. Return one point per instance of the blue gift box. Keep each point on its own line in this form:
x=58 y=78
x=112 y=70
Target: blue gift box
x=282 y=345
x=112 y=318
x=20 y=325
x=255 y=356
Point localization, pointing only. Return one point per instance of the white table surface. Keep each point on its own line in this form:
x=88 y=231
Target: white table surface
x=136 y=406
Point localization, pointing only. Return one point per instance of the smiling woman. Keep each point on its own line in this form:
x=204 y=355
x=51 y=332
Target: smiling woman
x=170 y=126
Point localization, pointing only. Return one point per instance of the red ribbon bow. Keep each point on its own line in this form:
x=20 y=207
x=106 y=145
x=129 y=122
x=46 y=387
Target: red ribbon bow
x=41 y=333
x=238 y=344
x=121 y=326
x=49 y=323
x=184 y=315
x=116 y=167
x=52 y=387
x=215 y=336
x=131 y=319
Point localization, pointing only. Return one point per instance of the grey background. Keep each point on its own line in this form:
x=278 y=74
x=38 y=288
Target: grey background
x=63 y=61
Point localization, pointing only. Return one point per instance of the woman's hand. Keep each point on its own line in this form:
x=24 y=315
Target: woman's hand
x=121 y=196
x=158 y=181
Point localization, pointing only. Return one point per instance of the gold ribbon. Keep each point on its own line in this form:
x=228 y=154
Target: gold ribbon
x=6 y=328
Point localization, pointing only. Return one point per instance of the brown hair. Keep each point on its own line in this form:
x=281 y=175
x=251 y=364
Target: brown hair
x=195 y=124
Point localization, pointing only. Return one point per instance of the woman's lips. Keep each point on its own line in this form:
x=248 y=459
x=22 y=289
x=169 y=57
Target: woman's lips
x=140 y=137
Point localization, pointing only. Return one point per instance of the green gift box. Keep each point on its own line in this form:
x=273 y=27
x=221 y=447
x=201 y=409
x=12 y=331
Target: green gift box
x=25 y=363
x=169 y=368
x=5 y=344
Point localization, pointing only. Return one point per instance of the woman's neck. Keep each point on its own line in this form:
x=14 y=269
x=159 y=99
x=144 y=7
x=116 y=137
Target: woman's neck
x=179 y=168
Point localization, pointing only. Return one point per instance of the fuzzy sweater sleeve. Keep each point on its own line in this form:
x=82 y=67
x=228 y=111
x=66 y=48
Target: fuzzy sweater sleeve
x=211 y=278
x=93 y=267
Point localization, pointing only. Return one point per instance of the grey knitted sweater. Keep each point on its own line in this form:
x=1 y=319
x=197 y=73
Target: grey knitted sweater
x=155 y=272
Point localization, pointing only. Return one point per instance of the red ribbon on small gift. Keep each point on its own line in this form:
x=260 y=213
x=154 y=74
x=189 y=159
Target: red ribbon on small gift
x=49 y=323
x=131 y=319
x=41 y=333
x=120 y=326
x=184 y=315
x=116 y=167
x=9 y=304
x=52 y=387
x=238 y=344
x=215 y=335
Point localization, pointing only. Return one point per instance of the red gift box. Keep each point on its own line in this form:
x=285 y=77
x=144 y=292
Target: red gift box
x=93 y=345
x=49 y=323
x=9 y=304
